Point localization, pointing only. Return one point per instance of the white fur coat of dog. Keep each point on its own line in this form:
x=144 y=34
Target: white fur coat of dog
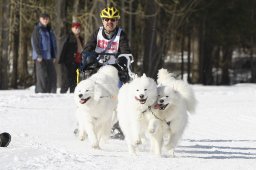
x=96 y=100
x=175 y=99
x=134 y=99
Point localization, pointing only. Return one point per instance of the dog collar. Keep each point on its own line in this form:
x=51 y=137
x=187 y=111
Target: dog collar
x=149 y=108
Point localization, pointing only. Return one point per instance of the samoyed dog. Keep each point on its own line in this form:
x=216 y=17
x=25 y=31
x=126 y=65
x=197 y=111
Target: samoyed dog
x=96 y=100
x=175 y=99
x=134 y=100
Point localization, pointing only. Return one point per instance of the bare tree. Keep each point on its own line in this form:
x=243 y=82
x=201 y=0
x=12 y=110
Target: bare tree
x=14 y=42
x=195 y=54
x=4 y=44
x=23 y=47
x=152 y=55
x=61 y=15
x=76 y=7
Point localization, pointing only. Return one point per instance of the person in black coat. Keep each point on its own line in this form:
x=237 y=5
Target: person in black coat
x=110 y=39
x=71 y=57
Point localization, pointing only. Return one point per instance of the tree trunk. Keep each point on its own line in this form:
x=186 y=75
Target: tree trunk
x=76 y=8
x=61 y=15
x=133 y=35
x=182 y=54
x=23 y=52
x=252 y=40
x=1 y=43
x=14 y=43
x=217 y=58
x=206 y=58
x=15 y=59
x=205 y=55
x=195 y=51
x=22 y=59
x=152 y=56
x=253 y=66
x=189 y=57
x=226 y=65
x=4 y=45
x=123 y=20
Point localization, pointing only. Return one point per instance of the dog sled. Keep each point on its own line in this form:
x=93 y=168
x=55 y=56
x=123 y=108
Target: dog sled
x=92 y=61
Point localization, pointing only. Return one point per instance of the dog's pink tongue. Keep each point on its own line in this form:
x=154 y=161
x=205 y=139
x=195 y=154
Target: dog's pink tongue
x=157 y=106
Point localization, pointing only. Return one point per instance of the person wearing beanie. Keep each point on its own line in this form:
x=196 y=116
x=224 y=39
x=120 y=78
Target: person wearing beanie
x=71 y=56
x=44 y=50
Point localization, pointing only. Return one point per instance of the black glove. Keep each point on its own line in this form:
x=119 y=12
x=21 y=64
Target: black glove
x=123 y=76
x=89 y=60
x=122 y=63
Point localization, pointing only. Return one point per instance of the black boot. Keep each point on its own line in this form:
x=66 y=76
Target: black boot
x=117 y=132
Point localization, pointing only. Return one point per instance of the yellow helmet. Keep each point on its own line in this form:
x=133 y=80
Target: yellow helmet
x=110 y=12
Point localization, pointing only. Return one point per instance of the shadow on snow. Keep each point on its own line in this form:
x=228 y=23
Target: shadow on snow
x=217 y=149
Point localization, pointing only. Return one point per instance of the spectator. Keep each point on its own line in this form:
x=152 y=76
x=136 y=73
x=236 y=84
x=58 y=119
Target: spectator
x=71 y=57
x=44 y=53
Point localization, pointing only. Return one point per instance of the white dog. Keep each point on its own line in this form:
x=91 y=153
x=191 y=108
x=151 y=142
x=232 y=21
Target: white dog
x=96 y=99
x=134 y=100
x=175 y=99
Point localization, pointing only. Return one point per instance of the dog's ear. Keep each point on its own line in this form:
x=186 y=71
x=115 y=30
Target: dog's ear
x=144 y=75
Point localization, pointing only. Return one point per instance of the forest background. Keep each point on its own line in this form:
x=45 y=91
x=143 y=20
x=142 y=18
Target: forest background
x=205 y=42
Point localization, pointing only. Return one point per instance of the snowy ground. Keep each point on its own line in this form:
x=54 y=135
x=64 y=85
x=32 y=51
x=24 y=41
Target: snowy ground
x=221 y=135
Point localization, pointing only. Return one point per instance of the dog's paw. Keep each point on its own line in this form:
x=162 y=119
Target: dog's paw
x=81 y=136
x=171 y=153
x=137 y=142
x=95 y=146
x=132 y=151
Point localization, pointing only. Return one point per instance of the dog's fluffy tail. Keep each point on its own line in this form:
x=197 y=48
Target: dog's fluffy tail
x=167 y=79
x=164 y=75
x=187 y=93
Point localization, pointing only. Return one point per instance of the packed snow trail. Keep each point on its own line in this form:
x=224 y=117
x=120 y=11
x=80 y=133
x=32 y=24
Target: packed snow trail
x=221 y=135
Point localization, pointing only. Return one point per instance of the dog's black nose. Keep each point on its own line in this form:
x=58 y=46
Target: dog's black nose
x=141 y=96
x=161 y=101
x=80 y=95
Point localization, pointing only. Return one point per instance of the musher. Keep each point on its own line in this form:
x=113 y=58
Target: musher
x=108 y=39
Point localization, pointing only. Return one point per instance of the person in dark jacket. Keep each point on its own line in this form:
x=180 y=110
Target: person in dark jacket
x=109 y=38
x=44 y=49
x=71 y=57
